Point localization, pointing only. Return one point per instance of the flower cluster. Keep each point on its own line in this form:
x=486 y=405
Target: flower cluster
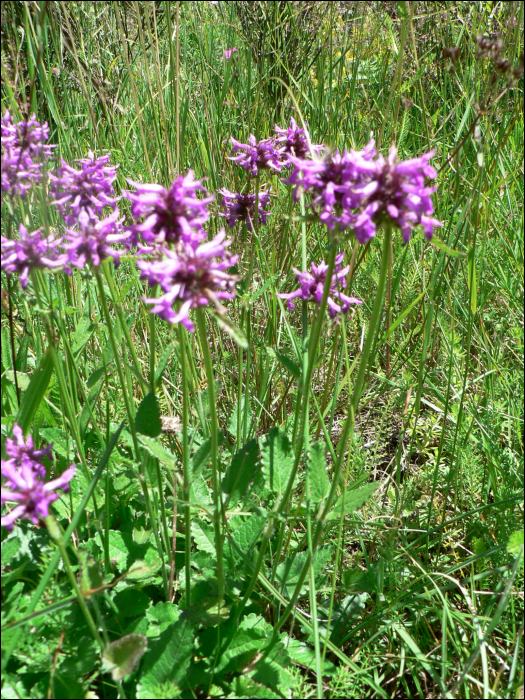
x=89 y=189
x=24 y=150
x=256 y=156
x=363 y=189
x=228 y=53
x=294 y=141
x=172 y=215
x=25 y=480
x=312 y=286
x=30 y=251
x=92 y=241
x=241 y=207
x=192 y=276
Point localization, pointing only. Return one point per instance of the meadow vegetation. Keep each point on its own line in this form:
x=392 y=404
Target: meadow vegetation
x=284 y=459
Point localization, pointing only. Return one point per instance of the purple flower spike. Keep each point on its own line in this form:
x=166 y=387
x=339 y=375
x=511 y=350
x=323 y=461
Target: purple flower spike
x=294 y=141
x=25 y=480
x=396 y=193
x=24 y=150
x=93 y=240
x=255 y=156
x=172 y=215
x=228 y=53
x=89 y=189
x=312 y=286
x=241 y=207
x=192 y=276
x=31 y=251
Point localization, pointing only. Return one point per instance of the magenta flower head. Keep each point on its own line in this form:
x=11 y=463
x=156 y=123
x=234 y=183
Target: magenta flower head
x=333 y=183
x=172 y=215
x=92 y=241
x=396 y=193
x=30 y=251
x=89 y=189
x=228 y=53
x=24 y=150
x=21 y=451
x=294 y=141
x=312 y=286
x=253 y=156
x=25 y=482
x=241 y=207
x=192 y=277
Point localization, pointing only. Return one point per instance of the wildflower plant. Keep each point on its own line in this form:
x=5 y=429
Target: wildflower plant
x=241 y=207
x=30 y=251
x=255 y=156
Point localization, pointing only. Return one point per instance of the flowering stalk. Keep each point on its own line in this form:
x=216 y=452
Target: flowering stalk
x=186 y=475
x=214 y=430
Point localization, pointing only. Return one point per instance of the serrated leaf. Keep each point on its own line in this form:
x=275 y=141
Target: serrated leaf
x=288 y=571
x=241 y=472
x=203 y=536
x=277 y=459
x=353 y=500
x=147 y=418
x=300 y=653
x=319 y=482
x=161 y=616
x=156 y=449
x=131 y=602
x=246 y=533
x=168 y=658
x=122 y=656
x=286 y=362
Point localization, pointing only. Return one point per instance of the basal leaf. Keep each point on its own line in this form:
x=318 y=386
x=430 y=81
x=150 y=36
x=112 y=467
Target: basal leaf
x=277 y=459
x=122 y=656
x=353 y=500
x=241 y=472
x=319 y=482
x=35 y=392
x=147 y=418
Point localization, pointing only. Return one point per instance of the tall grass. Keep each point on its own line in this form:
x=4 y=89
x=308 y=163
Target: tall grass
x=335 y=508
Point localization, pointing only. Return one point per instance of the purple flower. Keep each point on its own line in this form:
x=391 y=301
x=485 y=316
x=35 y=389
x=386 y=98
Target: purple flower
x=89 y=189
x=172 y=215
x=334 y=183
x=24 y=150
x=228 y=53
x=92 y=241
x=191 y=276
x=241 y=207
x=294 y=141
x=255 y=156
x=31 y=251
x=25 y=480
x=312 y=286
x=396 y=193
x=32 y=494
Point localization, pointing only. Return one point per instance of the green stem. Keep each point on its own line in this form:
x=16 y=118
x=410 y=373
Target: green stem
x=214 y=428
x=186 y=475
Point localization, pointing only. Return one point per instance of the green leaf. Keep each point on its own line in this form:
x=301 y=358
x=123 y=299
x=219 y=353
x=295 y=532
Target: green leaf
x=164 y=359
x=514 y=546
x=277 y=459
x=35 y=392
x=229 y=327
x=402 y=317
x=319 y=482
x=157 y=450
x=241 y=472
x=246 y=644
x=147 y=419
x=90 y=576
x=122 y=656
x=95 y=377
x=353 y=501
x=168 y=658
x=131 y=602
x=83 y=333
x=289 y=364
x=302 y=654
x=161 y=616
x=444 y=247
x=200 y=457
x=472 y=282
x=203 y=536
x=245 y=533
x=288 y=571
